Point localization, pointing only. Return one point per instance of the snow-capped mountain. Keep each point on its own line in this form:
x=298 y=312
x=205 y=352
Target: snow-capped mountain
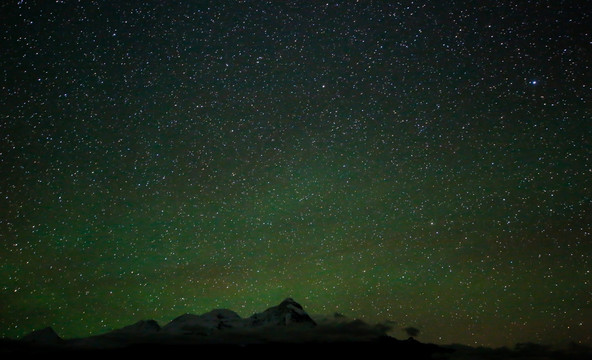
x=205 y=324
x=286 y=322
x=224 y=330
x=288 y=312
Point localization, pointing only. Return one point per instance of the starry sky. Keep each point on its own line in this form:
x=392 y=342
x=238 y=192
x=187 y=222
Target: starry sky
x=428 y=163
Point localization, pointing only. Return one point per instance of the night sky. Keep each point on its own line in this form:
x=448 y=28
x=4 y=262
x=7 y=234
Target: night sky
x=427 y=163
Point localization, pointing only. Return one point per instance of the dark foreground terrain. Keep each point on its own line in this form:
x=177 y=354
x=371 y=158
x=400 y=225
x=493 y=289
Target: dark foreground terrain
x=389 y=347
x=393 y=348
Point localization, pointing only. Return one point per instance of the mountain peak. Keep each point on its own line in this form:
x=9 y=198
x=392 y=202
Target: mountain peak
x=289 y=300
x=288 y=312
x=290 y=303
x=45 y=336
x=186 y=324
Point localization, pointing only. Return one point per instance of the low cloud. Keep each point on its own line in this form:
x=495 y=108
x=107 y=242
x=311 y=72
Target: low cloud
x=411 y=331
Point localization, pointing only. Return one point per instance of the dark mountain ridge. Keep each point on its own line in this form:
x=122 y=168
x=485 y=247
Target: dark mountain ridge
x=282 y=329
x=286 y=326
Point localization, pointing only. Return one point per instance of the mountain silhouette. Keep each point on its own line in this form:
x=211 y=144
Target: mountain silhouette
x=288 y=312
x=279 y=330
x=44 y=337
x=286 y=326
